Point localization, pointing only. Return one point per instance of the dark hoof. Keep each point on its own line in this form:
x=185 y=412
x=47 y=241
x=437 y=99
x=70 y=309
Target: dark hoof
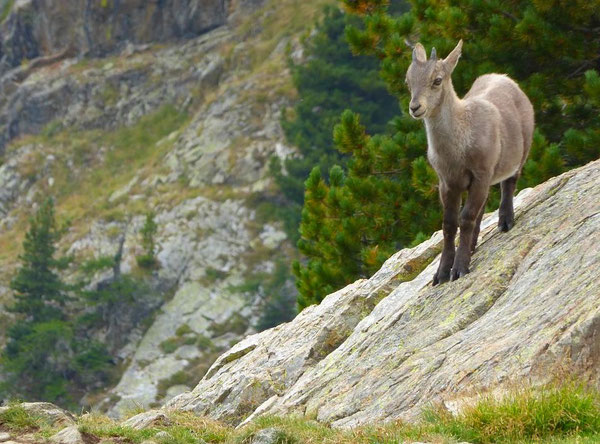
x=457 y=273
x=505 y=224
x=440 y=278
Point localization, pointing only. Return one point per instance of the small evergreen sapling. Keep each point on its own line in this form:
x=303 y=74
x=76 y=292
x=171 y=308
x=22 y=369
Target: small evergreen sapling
x=148 y=260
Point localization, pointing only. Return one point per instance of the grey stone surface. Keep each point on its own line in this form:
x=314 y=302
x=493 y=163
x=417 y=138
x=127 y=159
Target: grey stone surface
x=267 y=436
x=107 y=96
x=68 y=435
x=530 y=304
x=176 y=390
x=147 y=419
x=265 y=365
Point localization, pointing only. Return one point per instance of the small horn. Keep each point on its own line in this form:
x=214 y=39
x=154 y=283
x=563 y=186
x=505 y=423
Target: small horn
x=433 y=55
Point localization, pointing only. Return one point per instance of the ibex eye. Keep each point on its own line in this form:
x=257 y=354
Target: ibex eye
x=437 y=82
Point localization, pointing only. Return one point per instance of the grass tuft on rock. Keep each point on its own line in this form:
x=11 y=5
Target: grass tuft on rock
x=564 y=411
x=16 y=418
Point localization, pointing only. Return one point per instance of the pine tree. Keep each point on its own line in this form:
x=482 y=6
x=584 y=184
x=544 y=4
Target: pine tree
x=39 y=292
x=331 y=80
x=37 y=354
x=387 y=199
x=44 y=358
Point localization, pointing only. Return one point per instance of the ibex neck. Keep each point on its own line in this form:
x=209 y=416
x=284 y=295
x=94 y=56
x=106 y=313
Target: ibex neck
x=448 y=116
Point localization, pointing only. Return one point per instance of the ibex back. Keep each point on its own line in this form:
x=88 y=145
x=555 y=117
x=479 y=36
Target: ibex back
x=473 y=143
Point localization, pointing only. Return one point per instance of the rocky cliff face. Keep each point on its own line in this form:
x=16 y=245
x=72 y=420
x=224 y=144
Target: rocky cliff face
x=383 y=348
x=150 y=112
x=35 y=28
x=39 y=33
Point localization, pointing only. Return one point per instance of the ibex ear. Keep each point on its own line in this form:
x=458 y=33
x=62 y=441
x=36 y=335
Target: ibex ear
x=419 y=53
x=452 y=59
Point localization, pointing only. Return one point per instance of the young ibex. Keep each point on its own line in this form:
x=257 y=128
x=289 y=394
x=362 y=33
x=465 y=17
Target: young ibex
x=474 y=142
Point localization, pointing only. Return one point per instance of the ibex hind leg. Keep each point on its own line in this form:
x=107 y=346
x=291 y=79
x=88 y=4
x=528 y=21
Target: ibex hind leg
x=506 y=213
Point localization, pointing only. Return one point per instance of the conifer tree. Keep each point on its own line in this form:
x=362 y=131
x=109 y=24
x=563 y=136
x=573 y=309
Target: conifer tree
x=387 y=199
x=39 y=292
x=43 y=358
x=331 y=80
x=37 y=352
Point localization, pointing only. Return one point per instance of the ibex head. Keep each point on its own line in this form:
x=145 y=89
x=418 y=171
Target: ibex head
x=427 y=79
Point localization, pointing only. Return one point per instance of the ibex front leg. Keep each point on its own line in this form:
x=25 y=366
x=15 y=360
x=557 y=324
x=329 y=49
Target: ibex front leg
x=506 y=213
x=451 y=203
x=478 y=192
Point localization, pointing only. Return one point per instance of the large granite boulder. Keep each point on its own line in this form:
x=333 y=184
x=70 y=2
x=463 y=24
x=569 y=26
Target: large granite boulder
x=530 y=304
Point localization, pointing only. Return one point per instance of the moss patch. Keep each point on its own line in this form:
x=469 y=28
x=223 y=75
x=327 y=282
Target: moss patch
x=235 y=324
x=169 y=346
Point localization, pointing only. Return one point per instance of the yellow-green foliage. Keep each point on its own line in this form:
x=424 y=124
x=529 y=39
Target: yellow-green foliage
x=17 y=420
x=90 y=166
x=277 y=20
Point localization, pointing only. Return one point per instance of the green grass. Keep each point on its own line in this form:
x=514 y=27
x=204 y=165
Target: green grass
x=525 y=415
x=169 y=345
x=17 y=421
x=183 y=330
x=16 y=418
x=557 y=414
x=567 y=413
x=103 y=427
x=110 y=161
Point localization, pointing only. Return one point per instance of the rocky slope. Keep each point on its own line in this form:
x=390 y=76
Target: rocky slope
x=119 y=108
x=383 y=348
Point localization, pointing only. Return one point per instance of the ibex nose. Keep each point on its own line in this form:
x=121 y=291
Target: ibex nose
x=415 y=108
